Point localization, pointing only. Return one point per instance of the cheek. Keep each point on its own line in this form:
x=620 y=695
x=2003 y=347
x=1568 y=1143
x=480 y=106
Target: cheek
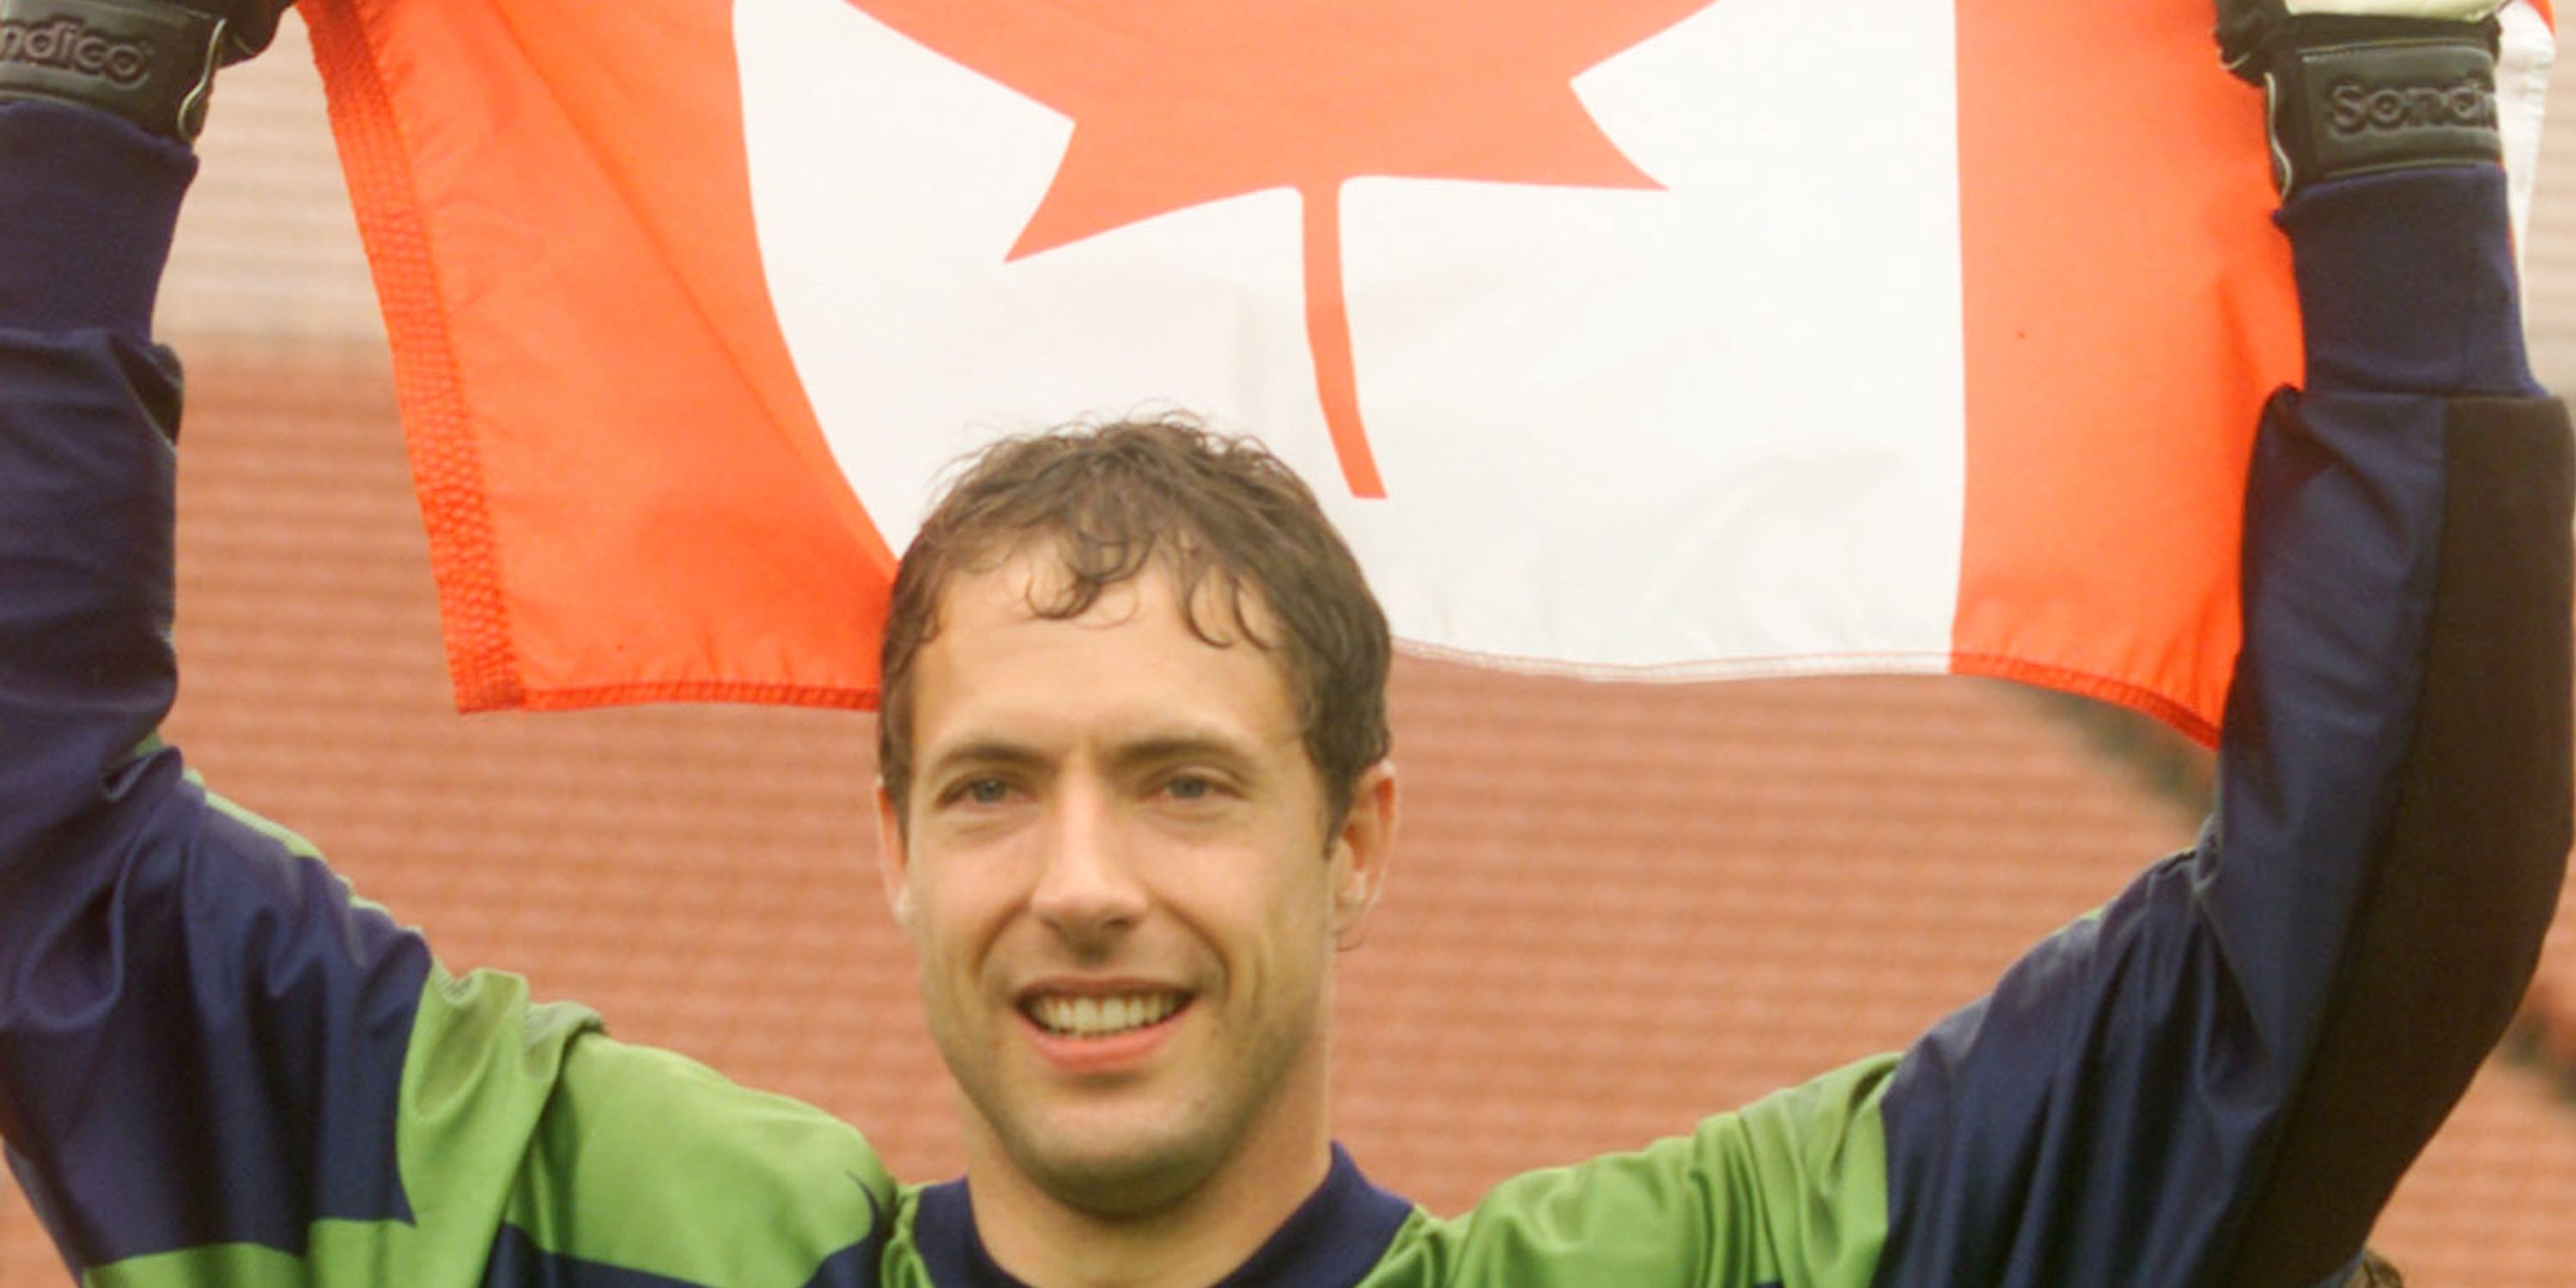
x=957 y=914
x=1277 y=924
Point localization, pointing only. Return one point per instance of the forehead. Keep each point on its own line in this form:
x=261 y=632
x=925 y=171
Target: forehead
x=1132 y=663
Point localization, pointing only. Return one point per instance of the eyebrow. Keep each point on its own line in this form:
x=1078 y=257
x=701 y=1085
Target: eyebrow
x=1002 y=753
x=1184 y=746
x=990 y=752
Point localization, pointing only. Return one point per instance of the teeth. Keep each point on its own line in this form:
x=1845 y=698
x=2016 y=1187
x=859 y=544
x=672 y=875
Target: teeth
x=1093 y=1017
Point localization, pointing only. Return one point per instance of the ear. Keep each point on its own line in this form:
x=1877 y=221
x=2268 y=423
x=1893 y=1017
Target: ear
x=894 y=860
x=1363 y=849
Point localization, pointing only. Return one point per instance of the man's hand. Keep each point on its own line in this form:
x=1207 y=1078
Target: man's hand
x=150 y=61
x=248 y=24
x=2249 y=31
x=2360 y=86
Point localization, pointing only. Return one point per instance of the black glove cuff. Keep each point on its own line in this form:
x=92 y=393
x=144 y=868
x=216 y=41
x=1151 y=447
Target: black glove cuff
x=148 y=62
x=2359 y=96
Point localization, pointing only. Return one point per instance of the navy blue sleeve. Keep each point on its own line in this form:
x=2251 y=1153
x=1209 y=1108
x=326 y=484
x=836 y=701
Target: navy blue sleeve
x=201 y=1038
x=2219 y=1079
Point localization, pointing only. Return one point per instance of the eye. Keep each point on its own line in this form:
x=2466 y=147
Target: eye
x=1197 y=789
x=987 y=790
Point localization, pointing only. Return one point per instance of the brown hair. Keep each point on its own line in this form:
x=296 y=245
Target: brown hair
x=1118 y=498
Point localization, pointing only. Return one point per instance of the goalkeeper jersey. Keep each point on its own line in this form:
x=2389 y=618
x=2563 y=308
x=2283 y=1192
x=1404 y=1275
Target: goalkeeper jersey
x=217 y=1066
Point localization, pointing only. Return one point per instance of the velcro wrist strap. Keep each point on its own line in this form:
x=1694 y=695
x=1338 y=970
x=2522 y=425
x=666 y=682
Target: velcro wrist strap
x=2360 y=105
x=151 y=63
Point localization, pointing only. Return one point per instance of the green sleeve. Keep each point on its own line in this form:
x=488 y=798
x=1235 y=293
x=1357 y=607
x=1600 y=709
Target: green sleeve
x=1789 y=1191
x=531 y=1145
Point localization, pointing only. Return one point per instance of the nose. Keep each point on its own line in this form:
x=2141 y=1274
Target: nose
x=1087 y=889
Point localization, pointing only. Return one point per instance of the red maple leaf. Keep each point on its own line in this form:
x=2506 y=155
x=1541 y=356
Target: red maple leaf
x=1180 y=102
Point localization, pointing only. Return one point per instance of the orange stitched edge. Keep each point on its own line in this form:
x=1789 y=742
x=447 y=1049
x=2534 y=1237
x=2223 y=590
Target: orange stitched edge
x=761 y=692
x=437 y=426
x=2181 y=716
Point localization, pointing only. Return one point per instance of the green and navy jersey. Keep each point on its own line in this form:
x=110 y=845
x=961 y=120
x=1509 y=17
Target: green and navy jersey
x=219 y=1067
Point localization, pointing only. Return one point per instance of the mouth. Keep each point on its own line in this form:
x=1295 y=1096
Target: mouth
x=1092 y=1017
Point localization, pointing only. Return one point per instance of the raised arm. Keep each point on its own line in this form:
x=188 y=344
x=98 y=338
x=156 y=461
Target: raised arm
x=201 y=1038
x=2220 y=1078
x=217 y=1067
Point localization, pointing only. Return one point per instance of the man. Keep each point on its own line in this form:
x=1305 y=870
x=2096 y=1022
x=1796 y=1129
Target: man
x=1135 y=793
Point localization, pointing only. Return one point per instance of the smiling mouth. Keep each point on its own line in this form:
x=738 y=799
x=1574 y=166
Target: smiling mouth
x=1102 y=1017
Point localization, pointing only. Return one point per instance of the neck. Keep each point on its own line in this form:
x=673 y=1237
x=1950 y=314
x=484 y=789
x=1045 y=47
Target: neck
x=1191 y=1242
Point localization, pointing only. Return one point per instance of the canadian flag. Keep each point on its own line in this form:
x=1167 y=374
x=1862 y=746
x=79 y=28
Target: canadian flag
x=1652 y=338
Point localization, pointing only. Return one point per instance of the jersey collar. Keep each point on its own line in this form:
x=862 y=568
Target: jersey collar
x=1332 y=1240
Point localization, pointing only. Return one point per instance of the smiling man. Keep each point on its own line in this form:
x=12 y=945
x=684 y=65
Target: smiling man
x=1136 y=797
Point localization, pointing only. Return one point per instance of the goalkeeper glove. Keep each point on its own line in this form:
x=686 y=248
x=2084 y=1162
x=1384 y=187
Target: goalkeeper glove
x=2361 y=86
x=150 y=61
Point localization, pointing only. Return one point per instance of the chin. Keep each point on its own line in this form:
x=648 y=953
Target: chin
x=1122 y=1175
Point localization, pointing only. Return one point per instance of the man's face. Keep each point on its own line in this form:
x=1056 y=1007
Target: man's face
x=1123 y=888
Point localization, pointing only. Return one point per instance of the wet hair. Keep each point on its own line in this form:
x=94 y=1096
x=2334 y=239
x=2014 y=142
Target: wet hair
x=1213 y=512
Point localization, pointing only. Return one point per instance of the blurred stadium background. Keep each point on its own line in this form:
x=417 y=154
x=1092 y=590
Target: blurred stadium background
x=1617 y=909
